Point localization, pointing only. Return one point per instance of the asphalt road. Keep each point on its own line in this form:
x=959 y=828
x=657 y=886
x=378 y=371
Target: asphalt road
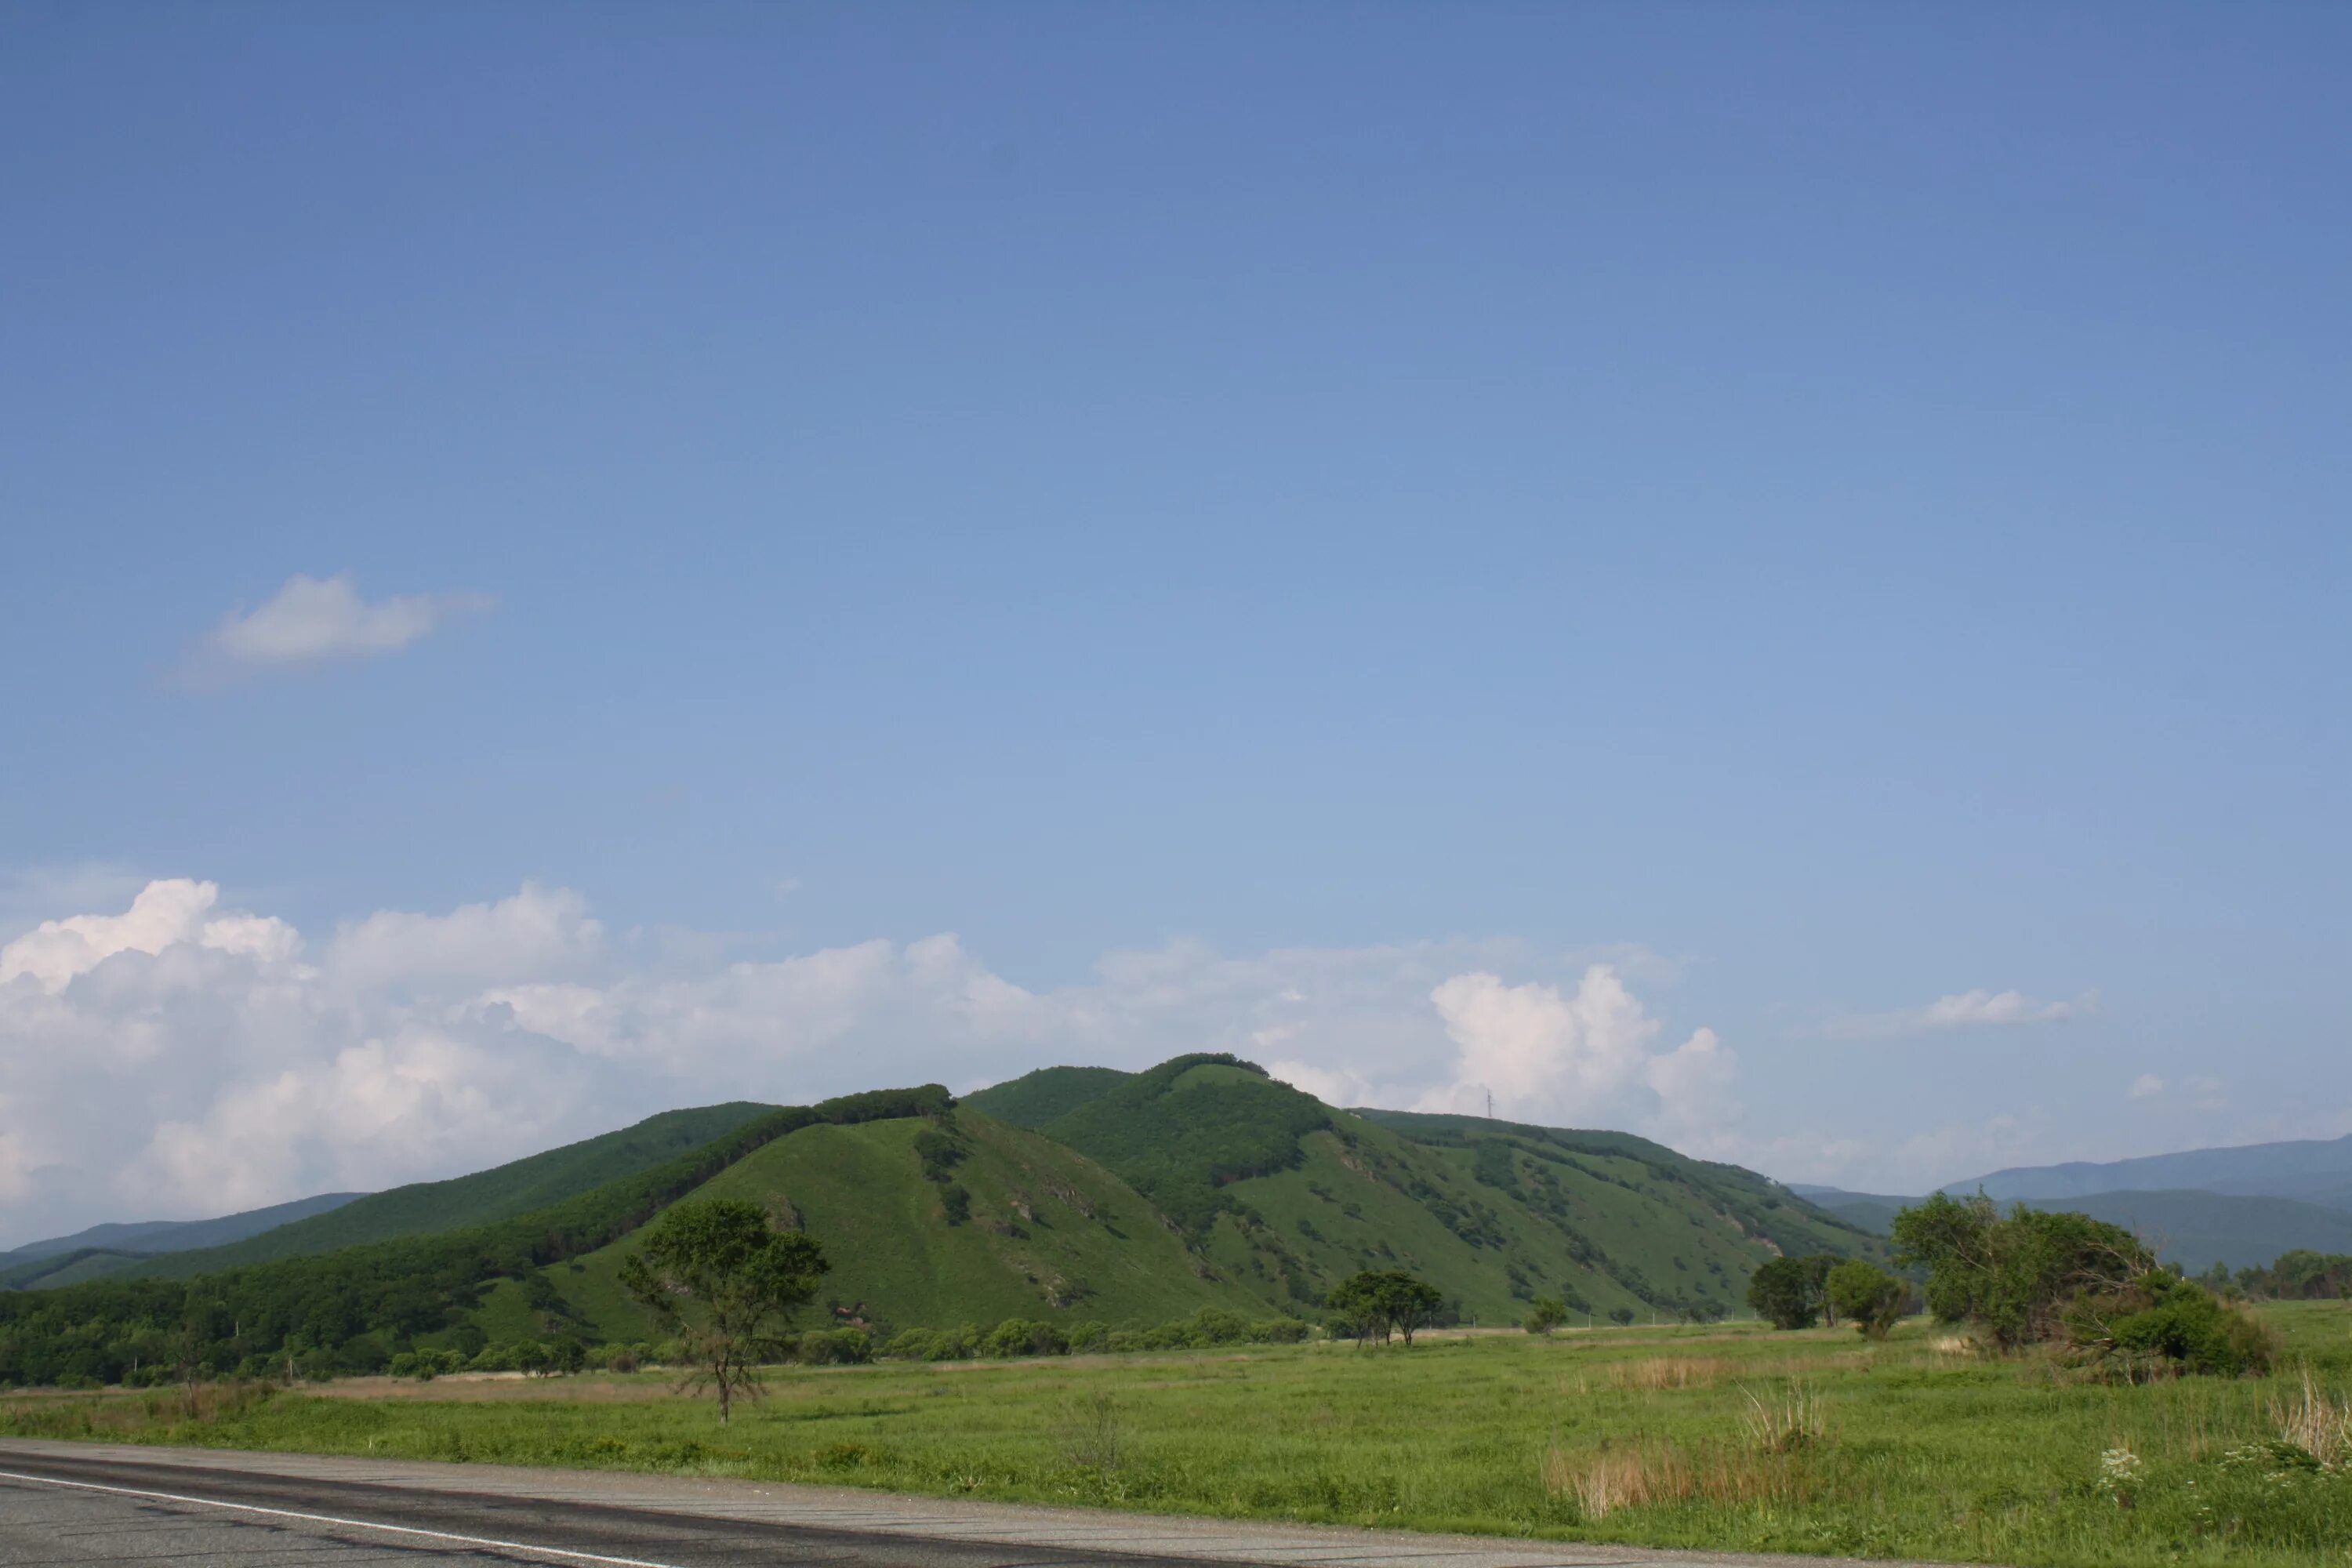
x=75 y=1503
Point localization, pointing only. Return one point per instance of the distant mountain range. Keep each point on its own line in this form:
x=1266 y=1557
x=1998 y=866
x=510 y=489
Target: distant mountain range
x=2239 y=1206
x=2312 y=1170
x=106 y=1248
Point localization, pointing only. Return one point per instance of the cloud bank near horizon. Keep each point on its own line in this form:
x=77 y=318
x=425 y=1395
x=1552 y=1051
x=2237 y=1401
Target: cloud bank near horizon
x=177 y=1058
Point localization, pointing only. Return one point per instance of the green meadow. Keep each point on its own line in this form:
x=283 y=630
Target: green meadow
x=1727 y=1437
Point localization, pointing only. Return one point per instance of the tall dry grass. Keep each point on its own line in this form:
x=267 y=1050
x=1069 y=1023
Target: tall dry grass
x=2316 y=1421
x=1646 y=1472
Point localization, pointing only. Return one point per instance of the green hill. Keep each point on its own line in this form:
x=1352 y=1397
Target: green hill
x=503 y=1192
x=1046 y=1234
x=1035 y=1099
x=1286 y=1197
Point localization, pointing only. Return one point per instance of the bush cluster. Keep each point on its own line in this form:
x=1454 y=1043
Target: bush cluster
x=1016 y=1337
x=549 y=1358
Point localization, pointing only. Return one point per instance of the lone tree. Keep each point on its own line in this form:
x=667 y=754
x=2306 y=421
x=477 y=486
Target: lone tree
x=1867 y=1294
x=1785 y=1293
x=1546 y=1313
x=1389 y=1301
x=721 y=1278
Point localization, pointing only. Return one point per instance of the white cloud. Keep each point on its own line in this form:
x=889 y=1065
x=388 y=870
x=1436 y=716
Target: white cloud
x=1584 y=1057
x=314 y=620
x=538 y=931
x=1961 y=1010
x=163 y=914
x=2147 y=1086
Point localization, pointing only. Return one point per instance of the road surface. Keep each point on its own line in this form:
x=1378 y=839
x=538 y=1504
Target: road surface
x=64 y=1503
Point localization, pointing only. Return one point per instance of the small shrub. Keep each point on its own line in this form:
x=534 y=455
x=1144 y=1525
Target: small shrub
x=1279 y=1332
x=2162 y=1324
x=1093 y=1435
x=835 y=1347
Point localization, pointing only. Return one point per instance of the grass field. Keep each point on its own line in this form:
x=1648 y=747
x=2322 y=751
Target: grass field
x=1727 y=1437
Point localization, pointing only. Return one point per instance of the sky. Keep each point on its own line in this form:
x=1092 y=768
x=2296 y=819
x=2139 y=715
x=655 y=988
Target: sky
x=1770 y=577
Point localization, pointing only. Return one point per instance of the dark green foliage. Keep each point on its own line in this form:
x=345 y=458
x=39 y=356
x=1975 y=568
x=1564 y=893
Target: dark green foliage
x=941 y=1150
x=1785 y=1293
x=1384 y=1303
x=503 y=1192
x=1491 y=1163
x=2013 y=1275
x=1868 y=1296
x=1547 y=1313
x=1620 y=1316
x=1762 y=1207
x=1035 y=1099
x=717 y=1273
x=2300 y=1276
x=2160 y=1323
x=1022 y=1337
x=1179 y=1133
x=955 y=1203
x=357 y=1306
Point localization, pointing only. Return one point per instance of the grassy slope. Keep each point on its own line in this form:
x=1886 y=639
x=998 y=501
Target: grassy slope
x=1923 y=1455
x=1761 y=1206
x=485 y=1198
x=1052 y=1235
x=1035 y=1099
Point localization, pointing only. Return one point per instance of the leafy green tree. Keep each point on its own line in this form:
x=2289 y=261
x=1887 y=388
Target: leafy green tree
x=1785 y=1293
x=1385 y=1301
x=1867 y=1294
x=716 y=1273
x=566 y=1355
x=1546 y=1313
x=2014 y=1275
x=1620 y=1316
x=1355 y=1301
x=1412 y=1304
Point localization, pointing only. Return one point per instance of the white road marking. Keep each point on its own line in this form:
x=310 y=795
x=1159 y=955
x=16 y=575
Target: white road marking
x=346 y=1523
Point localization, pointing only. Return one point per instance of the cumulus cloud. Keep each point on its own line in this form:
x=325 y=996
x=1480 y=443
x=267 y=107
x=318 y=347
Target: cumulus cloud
x=1961 y=1010
x=2147 y=1086
x=172 y=1057
x=1584 y=1055
x=164 y=914
x=314 y=620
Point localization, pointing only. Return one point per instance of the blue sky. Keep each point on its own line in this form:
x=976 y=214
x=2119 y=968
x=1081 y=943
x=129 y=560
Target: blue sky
x=1820 y=512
